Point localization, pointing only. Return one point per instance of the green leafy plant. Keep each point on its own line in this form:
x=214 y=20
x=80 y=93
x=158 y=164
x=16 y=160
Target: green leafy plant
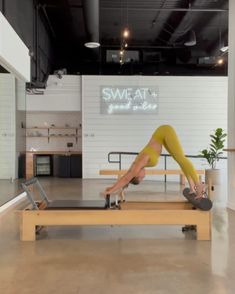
x=216 y=146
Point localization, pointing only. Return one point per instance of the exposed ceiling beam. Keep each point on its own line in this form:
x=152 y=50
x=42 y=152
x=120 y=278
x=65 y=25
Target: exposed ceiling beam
x=168 y=9
x=62 y=7
x=136 y=47
x=48 y=20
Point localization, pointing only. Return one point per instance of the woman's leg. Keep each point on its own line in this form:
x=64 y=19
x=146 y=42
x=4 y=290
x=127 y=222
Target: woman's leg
x=173 y=146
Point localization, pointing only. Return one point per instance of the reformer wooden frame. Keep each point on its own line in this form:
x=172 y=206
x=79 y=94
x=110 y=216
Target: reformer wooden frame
x=130 y=213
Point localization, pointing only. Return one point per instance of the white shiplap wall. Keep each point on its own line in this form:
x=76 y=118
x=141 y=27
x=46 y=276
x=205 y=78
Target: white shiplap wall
x=61 y=94
x=14 y=55
x=20 y=120
x=7 y=126
x=59 y=105
x=58 y=119
x=195 y=106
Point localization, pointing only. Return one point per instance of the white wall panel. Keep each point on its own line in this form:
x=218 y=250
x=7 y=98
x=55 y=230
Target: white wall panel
x=60 y=95
x=59 y=120
x=195 y=106
x=231 y=107
x=14 y=55
x=7 y=126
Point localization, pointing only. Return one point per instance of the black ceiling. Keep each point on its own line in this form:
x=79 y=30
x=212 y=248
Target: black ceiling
x=159 y=30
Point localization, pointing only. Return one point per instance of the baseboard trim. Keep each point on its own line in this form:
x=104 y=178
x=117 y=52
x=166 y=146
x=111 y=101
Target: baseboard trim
x=231 y=205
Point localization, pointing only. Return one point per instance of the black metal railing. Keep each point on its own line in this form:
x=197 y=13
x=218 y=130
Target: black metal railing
x=120 y=153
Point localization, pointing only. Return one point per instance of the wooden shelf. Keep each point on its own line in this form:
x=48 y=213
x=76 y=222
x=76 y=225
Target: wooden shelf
x=229 y=149
x=36 y=128
x=64 y=128
x=53 y=128
x=37 y=136
x=56 y=136
x=64 y=136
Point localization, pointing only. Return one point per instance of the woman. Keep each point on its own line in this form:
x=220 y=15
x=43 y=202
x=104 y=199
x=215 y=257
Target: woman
x=165 y=136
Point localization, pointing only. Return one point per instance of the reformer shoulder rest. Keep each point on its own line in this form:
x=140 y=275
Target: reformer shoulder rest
x=202 y=203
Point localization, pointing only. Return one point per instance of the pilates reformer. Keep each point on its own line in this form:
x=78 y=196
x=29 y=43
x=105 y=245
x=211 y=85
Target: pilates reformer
x=107 y=212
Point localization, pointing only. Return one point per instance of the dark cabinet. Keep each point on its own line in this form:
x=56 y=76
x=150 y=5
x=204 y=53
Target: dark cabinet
x=21 y=165
x=76 y=166
x=68 y=166
x=64 y=166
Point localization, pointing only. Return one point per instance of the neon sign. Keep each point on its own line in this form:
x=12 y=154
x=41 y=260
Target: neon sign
x=126 y=100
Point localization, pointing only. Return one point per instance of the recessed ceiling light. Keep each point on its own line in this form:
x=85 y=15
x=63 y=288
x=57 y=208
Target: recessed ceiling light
x=92 y=44
x=224 y=49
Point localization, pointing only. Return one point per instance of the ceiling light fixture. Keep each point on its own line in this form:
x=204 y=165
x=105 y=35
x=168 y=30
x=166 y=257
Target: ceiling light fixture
x=220 y=61
x=92 y=45
x=126 y=33
x=124 y=36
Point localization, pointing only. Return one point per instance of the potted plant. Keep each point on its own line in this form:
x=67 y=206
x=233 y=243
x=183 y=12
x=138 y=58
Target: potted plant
x=212 y=155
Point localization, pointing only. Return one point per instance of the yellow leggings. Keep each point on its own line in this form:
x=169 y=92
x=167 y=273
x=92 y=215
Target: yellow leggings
x=167 y=136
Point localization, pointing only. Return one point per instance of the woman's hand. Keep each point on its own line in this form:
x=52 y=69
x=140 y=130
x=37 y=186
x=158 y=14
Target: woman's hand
x=107 y=191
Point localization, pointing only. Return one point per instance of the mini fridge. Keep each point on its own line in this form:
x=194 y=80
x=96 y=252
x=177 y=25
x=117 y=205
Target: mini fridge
x=43 y=165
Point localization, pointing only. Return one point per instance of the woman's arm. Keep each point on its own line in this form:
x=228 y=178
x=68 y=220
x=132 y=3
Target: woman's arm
x=129 y=175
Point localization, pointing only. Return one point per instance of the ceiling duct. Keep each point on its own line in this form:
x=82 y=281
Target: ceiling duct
x=91 y=14
x=191 y=40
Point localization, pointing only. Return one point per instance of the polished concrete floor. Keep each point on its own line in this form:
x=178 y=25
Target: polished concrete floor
x=9 y=189
x=106 y=259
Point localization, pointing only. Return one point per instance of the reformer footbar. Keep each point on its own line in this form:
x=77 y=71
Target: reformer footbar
x=203 y=203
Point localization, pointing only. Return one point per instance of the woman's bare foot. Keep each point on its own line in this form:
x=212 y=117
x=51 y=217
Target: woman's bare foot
x=200 y=191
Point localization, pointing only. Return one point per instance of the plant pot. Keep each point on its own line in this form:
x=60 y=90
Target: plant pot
x=212 y=176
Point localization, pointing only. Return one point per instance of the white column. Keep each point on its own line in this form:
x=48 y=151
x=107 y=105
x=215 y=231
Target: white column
x=14 y=55
x=231 y=106
x=7 y=126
